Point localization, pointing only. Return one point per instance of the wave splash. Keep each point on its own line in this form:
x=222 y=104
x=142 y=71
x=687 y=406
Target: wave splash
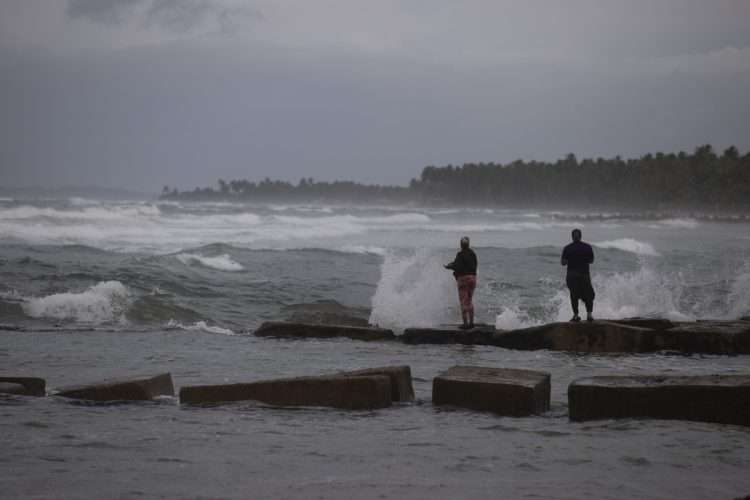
x=220 y=262
x=105 y=302
x=414 y=290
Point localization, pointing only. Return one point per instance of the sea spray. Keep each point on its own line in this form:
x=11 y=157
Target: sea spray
x=414 y=290
x=104 y=302
x=738 y=300
x=644 y=293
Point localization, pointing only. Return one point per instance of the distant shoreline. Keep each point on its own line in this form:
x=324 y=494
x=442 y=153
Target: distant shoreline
x=703 y=182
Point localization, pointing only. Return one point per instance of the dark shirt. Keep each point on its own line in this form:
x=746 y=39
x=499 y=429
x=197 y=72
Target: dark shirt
x=578 y=255
x=464 y=264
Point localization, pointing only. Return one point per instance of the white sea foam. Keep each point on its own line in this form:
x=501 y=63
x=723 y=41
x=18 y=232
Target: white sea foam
x=676 y=223
x=219 y=262
x=82 y=202
x=201 y=326
x=414 y=290
x=512 y=318
x=363 y=249
x=512 y=226
x=104 y=302
x=629 y=245
x=107 y=213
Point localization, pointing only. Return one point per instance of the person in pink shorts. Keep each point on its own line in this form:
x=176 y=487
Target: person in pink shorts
x=464 y=268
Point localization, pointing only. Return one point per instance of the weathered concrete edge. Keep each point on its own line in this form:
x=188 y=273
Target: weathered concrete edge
x=402 y=388
x=349 y=392
x=136 y=389
x=34 y=386
x=286 y=329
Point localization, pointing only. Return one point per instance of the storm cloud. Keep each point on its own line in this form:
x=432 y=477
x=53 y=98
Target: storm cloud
x=141 y=93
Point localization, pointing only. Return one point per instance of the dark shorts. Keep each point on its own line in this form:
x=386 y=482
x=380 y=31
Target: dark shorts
x=580 y=287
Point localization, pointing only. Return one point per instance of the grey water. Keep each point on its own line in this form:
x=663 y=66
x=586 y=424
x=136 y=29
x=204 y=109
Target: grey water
x=91 y=290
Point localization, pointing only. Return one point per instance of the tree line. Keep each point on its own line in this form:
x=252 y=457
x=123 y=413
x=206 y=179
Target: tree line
x=703 y=179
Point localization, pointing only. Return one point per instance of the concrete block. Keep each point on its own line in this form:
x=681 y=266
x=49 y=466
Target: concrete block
x=140 y=389
x=402 y=389
x=598 y=336
x=310 y=330
x=712 y=398
x=481 y=335
x=504 y=391
x=353 y=393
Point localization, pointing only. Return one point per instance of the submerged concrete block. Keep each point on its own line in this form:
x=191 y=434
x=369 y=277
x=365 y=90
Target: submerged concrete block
x=353 y=393
x=310 y=330
x=712 y=398
x=31 y=386
x=402 y=389
x=505 y=391
x=141 y=389
x=481 y=335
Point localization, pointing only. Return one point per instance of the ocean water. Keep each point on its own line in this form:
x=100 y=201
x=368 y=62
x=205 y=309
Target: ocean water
x=92 y=290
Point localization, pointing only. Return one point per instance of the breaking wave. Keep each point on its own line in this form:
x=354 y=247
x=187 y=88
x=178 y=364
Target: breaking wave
x=363 y=249
x=219 y=262
x=413 y=290
x=629 y=245
x=104 y=302
x=201 y=326
x=676 y=223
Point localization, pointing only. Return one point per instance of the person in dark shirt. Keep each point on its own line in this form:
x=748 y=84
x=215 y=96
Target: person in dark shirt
x=464 y=268
x=577 y=256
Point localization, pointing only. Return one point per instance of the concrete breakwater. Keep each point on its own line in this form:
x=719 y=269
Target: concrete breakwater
x=636 y=335
x=721 y=399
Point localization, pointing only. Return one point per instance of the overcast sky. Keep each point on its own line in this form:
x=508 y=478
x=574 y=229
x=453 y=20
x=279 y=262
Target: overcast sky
x=141 y=93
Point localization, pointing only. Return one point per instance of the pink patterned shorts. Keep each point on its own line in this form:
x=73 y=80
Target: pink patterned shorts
x=466 y=285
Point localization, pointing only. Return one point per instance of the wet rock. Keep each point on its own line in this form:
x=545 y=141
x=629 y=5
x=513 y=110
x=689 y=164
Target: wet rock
x=598 y=336
x=352 y=393
x=327 y=312
x=481 y=335
x=402 y=389
x=504 y=391
x=30 y=386
x=713 y=398
x=141 y=389
x=310 y=330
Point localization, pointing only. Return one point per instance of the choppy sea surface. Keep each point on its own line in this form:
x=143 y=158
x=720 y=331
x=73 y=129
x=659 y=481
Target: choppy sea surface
x=92 y=290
